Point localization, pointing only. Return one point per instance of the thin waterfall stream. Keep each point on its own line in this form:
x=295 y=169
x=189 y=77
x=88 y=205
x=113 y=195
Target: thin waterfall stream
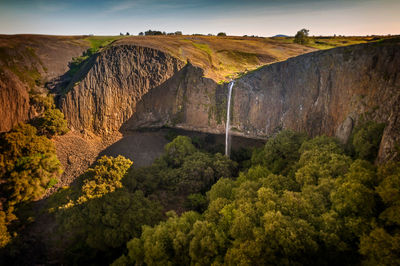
x=228 y=117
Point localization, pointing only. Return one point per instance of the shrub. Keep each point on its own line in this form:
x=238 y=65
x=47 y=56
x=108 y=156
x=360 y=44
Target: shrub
x=52 y=123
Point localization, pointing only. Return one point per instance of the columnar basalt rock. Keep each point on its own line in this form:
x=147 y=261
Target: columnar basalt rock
x=14 y=100
x=104 y=95
x=319 y=93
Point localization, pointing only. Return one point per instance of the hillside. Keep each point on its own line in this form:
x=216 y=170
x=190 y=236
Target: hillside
x=222 y=58
x=288 y=194
x=34 y=64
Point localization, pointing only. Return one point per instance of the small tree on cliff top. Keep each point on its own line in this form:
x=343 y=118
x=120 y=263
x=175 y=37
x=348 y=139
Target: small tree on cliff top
x=302 y=36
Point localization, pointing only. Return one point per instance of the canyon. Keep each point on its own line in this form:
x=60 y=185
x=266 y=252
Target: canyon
x=131 y=84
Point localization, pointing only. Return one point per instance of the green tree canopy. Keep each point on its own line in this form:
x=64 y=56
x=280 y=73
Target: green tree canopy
x=301 y=36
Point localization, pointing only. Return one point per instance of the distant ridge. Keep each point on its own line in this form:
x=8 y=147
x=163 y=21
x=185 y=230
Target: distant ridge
x=280 y=35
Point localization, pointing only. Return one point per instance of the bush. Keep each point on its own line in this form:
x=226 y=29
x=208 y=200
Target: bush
x=52 y=123
x=40 y=101
x=221 y=34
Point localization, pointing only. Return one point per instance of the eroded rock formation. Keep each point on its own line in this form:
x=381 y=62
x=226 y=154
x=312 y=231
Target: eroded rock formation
x=14 y=100
x=27 y=63
x=105 y=94
x=323 y=92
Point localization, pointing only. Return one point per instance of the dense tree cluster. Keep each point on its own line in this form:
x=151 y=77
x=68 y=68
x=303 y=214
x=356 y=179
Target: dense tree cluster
x=181 y=171
x=28 y=160
x=311 y=203
x=112 y=200
x=296 y=201
x=28 y=165
x=157 y=32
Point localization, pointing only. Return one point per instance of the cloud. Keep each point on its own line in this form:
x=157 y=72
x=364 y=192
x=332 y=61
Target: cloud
x=124 y=5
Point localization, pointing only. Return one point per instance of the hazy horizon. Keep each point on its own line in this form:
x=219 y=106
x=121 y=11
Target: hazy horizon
x=253 y=17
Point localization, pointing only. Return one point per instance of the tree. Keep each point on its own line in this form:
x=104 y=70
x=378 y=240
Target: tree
x=280 y=152
x=29 y=163
x=366 y=140
x=221 y=34
x=141 y=33
x=301 y=36
x=105 y=177
x=177 y=150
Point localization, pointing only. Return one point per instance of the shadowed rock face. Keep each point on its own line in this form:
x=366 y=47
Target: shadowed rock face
x=106 y=94
x=323 y=92
x=14 y=100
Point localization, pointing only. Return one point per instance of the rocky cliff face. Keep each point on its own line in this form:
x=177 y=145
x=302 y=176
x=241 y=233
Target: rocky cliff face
x=28 y=62
x=14 y=100
x=104 y=95
x=323 y=92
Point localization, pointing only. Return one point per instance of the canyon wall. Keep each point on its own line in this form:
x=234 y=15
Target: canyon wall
x=104 y=95
x=323 y=92
x=27 y=63
x=14 y=100
x=127 y=87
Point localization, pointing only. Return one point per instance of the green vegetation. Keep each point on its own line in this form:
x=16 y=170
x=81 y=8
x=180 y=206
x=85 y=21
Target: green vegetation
x=28 y=161
x=296 y=201
x=96 y=44
x=280 y=153
x=28 y=166
x=112 y=201
x=204 y=47
x=301 y=37
x=310 y=203
x=15 y=61
x=99 y=42
x=382 y=244
x=366 y=139
x=52 y=123
x=40 y=101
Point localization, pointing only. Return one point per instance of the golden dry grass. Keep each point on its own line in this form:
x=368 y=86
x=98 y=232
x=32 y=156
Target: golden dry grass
x=221 y=58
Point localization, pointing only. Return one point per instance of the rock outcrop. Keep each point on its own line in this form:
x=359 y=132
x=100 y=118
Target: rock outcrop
x=28 y=62
x=14 y=100
x=323 y=92
x=104 y=95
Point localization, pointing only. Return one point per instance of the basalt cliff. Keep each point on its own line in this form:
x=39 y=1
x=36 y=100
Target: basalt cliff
x=104 y=95
x=127 y=86
x=323 y=92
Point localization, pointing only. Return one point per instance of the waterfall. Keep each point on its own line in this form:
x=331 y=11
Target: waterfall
x=228 y=117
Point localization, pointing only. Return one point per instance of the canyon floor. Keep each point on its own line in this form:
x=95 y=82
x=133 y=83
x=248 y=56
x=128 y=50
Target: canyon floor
x=78 y=151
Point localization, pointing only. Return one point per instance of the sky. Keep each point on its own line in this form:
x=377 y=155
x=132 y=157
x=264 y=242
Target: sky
x=235 y=17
